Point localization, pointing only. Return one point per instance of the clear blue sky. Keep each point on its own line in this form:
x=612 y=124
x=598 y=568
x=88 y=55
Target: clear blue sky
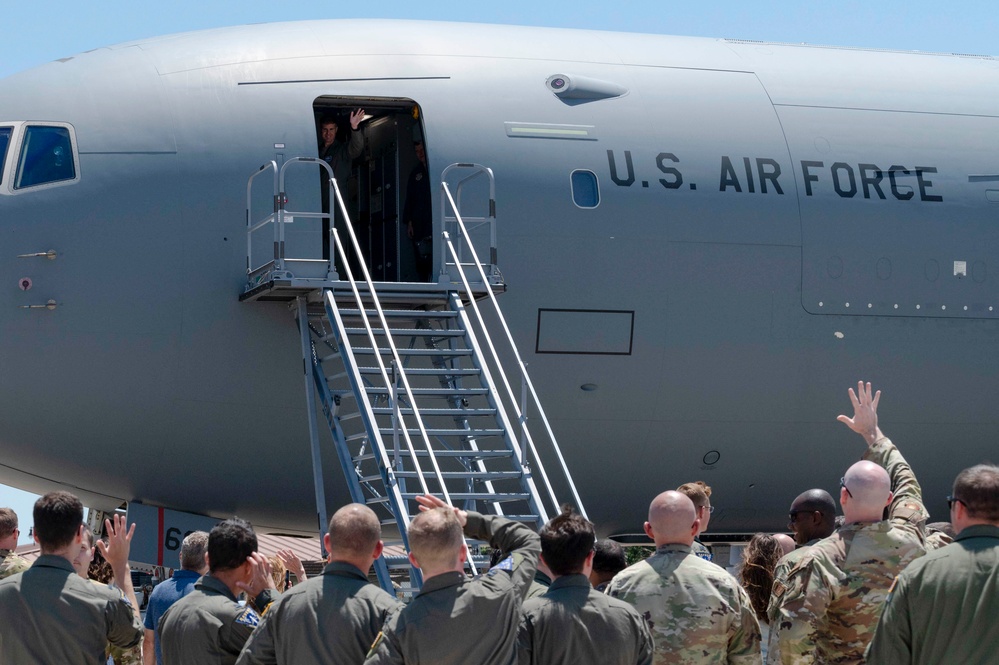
x=35 y=34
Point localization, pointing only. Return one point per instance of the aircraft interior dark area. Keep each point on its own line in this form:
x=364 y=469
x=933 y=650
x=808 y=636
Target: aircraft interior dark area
x=375 y=193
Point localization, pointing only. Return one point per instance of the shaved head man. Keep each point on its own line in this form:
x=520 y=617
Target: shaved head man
x=693 y=606
x=334 y=617
x=672 y=519
x=785 y=541
x=836 y=592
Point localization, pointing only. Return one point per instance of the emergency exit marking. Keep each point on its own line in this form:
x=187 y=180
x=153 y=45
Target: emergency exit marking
x=24 y=283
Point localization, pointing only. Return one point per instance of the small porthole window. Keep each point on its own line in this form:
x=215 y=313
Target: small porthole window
x=46 y=156
x=585 y=189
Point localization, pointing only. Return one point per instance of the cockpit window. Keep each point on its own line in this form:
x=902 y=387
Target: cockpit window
x=46 y=156
x=4 y=142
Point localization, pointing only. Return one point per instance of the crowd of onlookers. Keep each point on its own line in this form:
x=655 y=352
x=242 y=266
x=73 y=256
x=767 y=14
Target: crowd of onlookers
x=876 y=585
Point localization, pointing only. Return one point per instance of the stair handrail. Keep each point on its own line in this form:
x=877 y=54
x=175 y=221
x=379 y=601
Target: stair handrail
x=522 y=367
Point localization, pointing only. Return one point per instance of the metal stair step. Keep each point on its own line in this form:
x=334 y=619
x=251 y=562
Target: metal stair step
x=367 y=350
x=463 y=475
x=403 y=313
x=443 y=371
x=467 y=454
x=407 y=332
x=442 y=431
x=444 y=392
x=496 y=497
x=408 y=411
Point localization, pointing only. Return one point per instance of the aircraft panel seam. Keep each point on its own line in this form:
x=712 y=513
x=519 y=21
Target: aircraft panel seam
x=874 y=110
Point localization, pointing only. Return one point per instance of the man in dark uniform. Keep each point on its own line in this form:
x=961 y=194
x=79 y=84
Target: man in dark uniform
x=417 y=214
x=943 y=607
x=208 y=625
x=573 y=624
x=335 y=617
x=455 y=620
x=48 y=614
x=339 y=155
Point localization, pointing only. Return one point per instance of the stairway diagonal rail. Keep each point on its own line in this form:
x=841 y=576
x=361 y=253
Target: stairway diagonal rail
x=521 y=366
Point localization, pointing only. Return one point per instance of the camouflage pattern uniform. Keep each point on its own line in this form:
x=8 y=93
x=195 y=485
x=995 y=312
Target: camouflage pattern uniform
x=12 y=564
x=121 y=656
x=697 y=612
x=781 y=589
x=936 y=539
x=118 y=655
x=841 y=583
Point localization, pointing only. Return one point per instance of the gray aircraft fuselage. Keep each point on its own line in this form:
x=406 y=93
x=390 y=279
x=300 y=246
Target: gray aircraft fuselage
x=774 y=223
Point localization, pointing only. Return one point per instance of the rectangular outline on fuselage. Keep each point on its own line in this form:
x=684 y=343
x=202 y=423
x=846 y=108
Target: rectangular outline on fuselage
x=631 y=336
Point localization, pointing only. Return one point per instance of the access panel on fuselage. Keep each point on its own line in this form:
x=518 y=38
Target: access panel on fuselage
x=899 y=214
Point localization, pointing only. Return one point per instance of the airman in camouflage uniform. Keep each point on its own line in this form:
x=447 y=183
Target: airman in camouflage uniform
x=697 y=612
x=812 y=517
x=699 y=493
x=10 y=563
x=839 y=585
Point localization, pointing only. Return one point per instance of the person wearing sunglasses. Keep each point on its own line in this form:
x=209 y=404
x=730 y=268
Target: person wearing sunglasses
x=811 y=518
x=841 y=582
x=943 y=607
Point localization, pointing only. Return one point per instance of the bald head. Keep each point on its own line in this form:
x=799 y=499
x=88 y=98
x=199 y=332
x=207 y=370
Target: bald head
x=866 y=493
x=786 y=543
x=672 y=519
x=812 y=516
x=354 y=532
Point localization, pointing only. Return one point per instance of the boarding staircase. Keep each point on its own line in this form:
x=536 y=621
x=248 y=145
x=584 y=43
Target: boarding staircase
x=409 y=380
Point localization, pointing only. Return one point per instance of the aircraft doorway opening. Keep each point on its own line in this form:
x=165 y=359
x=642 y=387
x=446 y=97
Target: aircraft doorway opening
x=384 y=180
